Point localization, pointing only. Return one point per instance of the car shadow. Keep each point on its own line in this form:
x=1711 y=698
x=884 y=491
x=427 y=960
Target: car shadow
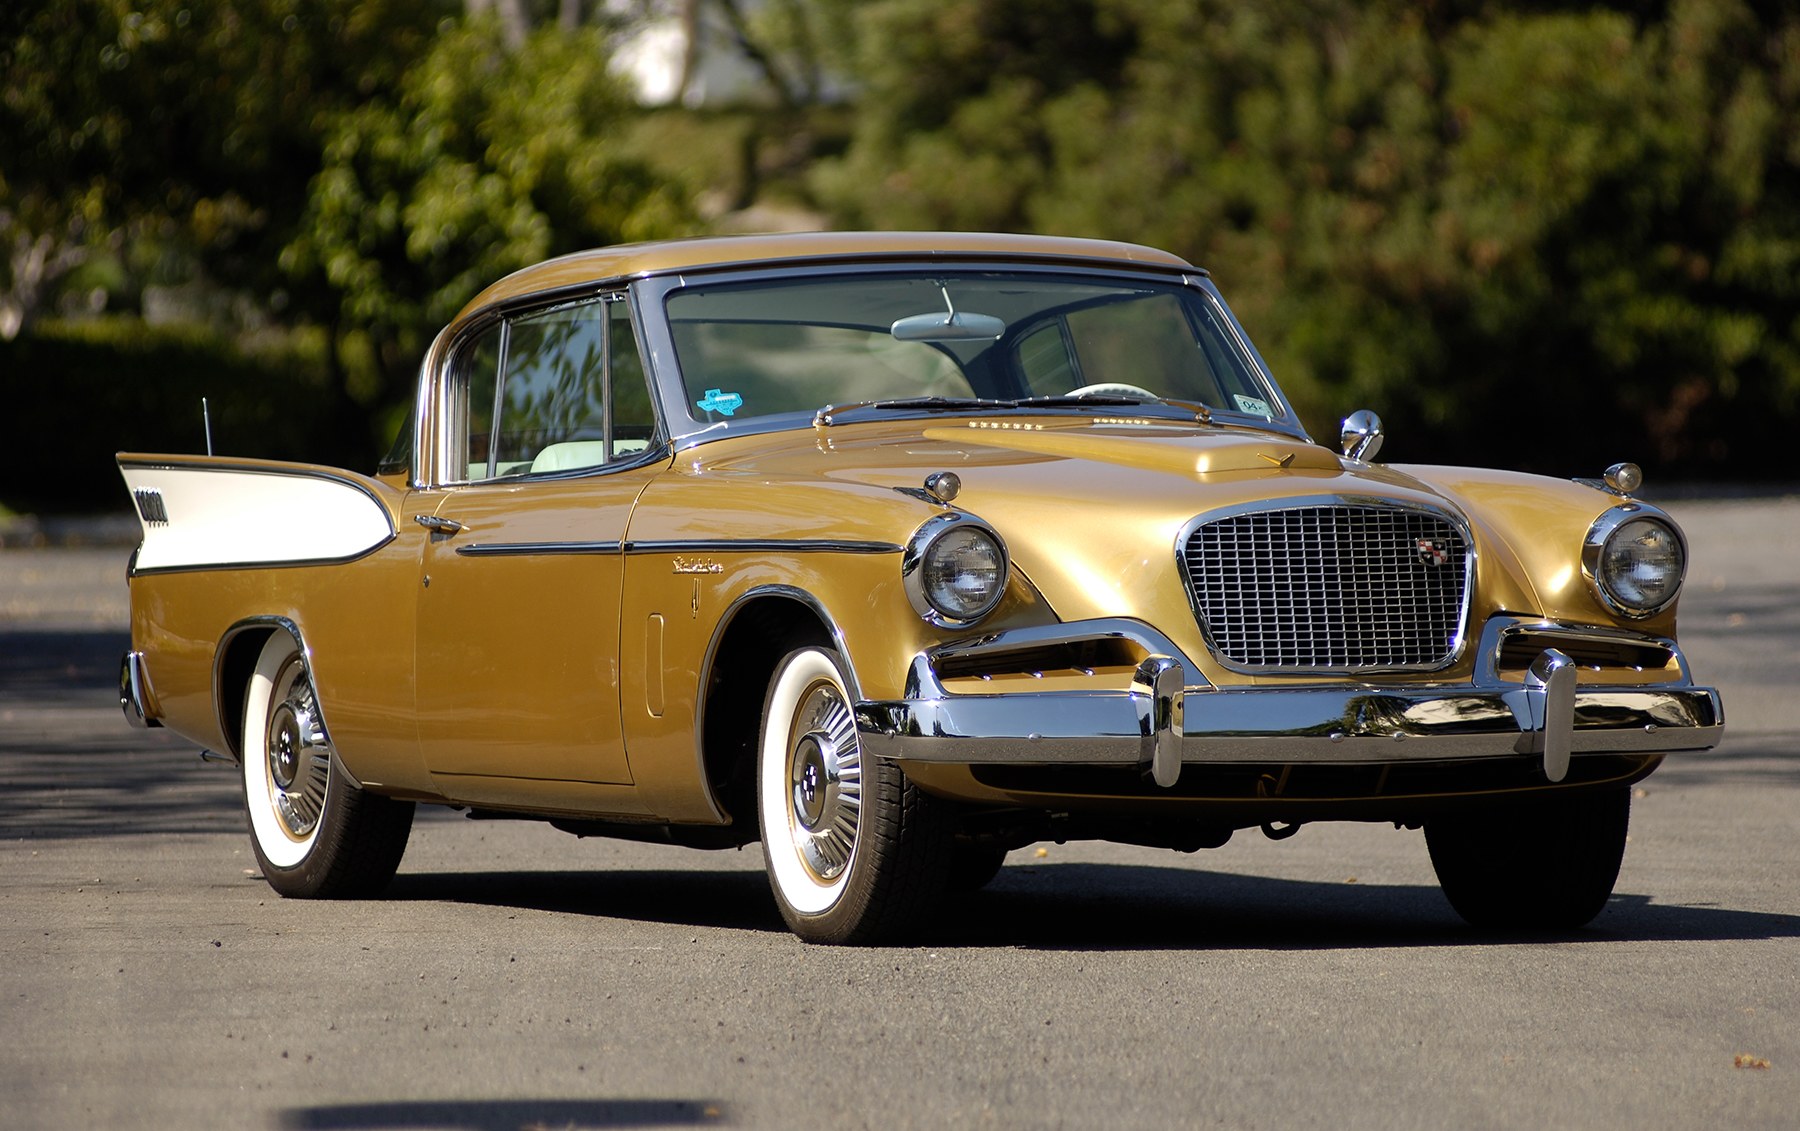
x=1099 y=907
x=504 y=1115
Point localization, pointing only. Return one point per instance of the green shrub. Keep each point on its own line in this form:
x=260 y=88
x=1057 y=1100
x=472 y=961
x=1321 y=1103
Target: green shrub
x=77 y=393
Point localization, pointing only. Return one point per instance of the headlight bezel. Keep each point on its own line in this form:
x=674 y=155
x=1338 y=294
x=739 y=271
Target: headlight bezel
x=1600 y=538
x=916 y=558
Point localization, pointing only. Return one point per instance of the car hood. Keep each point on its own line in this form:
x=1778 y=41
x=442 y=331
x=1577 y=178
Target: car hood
x=1091 y=510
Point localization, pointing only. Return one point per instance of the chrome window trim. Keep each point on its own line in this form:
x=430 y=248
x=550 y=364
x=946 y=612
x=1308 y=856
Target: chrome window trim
x=1595 y=544
x=651 y=293
x=437 y=382
x=1300 y=502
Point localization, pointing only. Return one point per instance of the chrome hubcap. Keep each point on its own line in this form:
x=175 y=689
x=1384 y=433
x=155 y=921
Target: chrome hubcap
x=298 y=754
x=825 y=771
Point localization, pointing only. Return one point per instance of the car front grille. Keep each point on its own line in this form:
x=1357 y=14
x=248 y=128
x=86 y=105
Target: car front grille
x=1336 y=587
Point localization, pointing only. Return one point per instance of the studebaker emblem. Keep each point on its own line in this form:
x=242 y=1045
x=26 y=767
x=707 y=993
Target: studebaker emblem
x=1278 y=461
x=1431 y=553
x=697 y=565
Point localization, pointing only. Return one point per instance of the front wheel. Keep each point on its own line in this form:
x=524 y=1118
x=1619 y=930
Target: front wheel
x=315 y=832
x=1541 y=865
x=855 y=852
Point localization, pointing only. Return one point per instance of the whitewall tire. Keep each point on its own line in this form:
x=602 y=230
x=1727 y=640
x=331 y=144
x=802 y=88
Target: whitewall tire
x=854 y=852
x=315 y=832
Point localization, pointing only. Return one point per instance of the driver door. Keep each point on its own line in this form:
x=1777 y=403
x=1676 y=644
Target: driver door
x=552 y=439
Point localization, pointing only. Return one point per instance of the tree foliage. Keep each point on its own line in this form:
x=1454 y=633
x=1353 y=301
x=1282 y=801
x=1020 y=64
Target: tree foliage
x=1583 y=219
x=1579 y=212
x=177 y=135
x=489 y=159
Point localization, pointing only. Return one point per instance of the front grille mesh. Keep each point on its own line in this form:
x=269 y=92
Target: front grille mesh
x=1329 y=588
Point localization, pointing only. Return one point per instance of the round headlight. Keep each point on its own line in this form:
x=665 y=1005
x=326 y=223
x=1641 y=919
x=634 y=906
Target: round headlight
x=1640 y=565
x=955 y=570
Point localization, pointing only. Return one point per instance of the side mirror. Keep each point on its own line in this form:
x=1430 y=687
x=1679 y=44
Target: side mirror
x=1362 y=435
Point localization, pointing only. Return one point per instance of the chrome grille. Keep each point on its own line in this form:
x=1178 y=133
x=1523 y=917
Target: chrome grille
x=1329 y=588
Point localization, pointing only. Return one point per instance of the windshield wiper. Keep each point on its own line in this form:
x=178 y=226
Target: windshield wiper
x=1116 y=400
x=830 y=412
x=1102 y=399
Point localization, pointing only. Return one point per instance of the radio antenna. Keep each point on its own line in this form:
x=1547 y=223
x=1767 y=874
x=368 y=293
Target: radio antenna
x=206 y=423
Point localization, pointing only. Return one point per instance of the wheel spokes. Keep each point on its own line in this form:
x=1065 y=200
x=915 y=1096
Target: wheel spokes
x=299 y=756
x=825 y=763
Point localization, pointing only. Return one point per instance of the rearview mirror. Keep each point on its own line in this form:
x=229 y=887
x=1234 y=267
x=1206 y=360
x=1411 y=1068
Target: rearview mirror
x=951 y=326
x=956 y=326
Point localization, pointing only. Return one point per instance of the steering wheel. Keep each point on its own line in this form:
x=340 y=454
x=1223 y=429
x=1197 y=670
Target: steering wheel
x=1113 y=389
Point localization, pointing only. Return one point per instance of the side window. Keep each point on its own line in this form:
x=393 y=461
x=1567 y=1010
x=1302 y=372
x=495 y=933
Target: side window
x=1046 y=360
x=555 y=389
x=1146 y=341
x=471 y=425
x=633 y=419
x=537 y=394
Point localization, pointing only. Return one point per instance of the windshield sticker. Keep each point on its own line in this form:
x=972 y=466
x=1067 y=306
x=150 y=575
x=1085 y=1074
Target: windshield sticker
x=721 y=402
x=1252 y=405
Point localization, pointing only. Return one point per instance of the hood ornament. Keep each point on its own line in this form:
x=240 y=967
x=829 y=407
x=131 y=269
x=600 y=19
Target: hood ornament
x=1278 y=461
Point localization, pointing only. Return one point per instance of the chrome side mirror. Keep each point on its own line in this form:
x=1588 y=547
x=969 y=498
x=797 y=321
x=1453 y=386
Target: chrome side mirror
x=1362 y=435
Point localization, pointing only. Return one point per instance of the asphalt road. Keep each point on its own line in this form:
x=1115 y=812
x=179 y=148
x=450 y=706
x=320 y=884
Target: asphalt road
x=517 y=977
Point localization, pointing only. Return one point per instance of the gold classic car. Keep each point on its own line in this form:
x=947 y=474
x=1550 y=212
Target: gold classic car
x=897 y=552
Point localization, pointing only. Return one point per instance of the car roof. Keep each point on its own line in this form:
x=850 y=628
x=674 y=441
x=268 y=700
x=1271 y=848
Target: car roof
x=628 y=260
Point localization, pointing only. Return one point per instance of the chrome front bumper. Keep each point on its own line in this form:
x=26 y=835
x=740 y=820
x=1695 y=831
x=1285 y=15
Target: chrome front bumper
x=1171 y=717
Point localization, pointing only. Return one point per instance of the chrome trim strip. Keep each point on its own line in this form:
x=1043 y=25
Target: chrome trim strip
x=761 y=546
x=1497 y=629
x=922 y=680
x=524 y=549
x=1304 y=501
x=212 y=463
x=296 y=563
x=676 y=546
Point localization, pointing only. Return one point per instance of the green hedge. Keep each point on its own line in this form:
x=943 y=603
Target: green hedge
x=77 y=393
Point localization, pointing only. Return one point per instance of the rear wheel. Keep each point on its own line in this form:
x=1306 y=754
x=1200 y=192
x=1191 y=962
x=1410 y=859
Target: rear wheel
x=1542 y=865
x=855 y=852
x=315 y=832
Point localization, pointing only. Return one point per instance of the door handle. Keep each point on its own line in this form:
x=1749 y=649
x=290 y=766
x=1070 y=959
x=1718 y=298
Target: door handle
x=438 y=525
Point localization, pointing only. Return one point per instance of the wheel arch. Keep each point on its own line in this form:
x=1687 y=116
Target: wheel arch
x=761 y=626
x=233 y=662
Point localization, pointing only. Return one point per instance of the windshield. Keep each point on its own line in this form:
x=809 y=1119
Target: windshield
x=763 y=348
